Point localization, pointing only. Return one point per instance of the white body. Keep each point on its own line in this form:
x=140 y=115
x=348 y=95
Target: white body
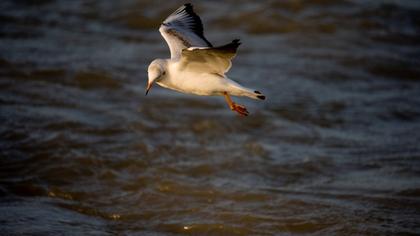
x=204 y=84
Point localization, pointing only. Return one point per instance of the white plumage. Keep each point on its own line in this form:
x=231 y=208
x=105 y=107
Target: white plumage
x=195 y=66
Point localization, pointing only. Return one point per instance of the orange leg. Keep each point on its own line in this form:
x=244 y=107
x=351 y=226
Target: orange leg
x=241 y=110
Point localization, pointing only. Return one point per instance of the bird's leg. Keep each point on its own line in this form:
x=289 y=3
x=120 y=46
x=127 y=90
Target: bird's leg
x=241 y=110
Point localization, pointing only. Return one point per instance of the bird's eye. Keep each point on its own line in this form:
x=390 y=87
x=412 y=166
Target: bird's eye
x=164 y=73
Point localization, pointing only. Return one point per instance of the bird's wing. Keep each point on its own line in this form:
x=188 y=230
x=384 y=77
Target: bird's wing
x=211 y=59
x=183 y=29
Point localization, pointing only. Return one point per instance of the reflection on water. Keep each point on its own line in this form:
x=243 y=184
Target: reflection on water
x=334 y=149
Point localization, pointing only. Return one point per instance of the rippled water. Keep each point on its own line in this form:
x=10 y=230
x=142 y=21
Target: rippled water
x=334 y=150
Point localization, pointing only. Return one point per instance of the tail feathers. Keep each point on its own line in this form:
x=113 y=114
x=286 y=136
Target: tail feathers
x=252 y=94
x=238 y=90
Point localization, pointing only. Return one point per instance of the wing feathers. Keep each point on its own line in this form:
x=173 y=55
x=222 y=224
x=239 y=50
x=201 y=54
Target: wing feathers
x=211 y=60
x=229 y=50
x=183 y=29
x=185 y=17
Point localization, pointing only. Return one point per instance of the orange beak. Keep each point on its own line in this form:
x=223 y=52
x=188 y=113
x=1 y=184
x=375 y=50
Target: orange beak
x=149 y=85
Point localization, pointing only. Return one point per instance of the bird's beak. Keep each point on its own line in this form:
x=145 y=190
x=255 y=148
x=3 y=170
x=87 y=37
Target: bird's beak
x=149 y=85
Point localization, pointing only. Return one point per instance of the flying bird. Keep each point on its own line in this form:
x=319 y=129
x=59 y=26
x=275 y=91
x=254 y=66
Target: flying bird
x=195 y=66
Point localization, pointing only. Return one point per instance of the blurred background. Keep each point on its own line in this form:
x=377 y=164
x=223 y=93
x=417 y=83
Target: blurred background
x=334 y=150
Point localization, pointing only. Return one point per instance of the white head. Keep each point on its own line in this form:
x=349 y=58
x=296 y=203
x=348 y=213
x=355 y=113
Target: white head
x=156 y=72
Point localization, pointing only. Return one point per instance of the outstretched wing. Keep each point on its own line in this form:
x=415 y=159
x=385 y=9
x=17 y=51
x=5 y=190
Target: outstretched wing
x=183 y=29
x=210 y=60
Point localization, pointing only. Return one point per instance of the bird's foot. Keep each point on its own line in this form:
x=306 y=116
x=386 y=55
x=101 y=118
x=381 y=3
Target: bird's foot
x=241 y=110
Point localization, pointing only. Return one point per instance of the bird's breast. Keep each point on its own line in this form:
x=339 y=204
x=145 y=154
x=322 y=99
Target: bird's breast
x=194 y=83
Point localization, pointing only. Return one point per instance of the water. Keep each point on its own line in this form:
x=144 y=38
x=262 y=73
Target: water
x=334 y=150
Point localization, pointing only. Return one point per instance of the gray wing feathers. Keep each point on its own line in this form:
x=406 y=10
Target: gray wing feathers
x=183 y=29
x=211 y=60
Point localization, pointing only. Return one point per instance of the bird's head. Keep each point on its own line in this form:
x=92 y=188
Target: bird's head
x=156 y=72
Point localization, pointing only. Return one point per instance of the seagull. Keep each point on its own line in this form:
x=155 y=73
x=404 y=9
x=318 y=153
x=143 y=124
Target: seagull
x=195 y=66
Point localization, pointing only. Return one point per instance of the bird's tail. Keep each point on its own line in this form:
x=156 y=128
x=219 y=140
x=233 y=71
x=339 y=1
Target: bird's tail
x=239 y=90
x=252 y=94
x=246 y=92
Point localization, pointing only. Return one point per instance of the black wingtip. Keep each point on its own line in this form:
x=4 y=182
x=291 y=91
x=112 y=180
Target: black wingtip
x=230 y=47
x=236 y=41
x=259 y=96
x=188 y=6
x=262 y=97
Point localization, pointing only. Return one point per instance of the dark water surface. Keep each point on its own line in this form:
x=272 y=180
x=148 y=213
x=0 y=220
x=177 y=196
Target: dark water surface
x=335 y=150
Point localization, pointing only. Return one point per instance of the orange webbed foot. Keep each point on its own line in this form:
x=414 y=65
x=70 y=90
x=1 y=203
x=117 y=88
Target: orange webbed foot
x=241 y=110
